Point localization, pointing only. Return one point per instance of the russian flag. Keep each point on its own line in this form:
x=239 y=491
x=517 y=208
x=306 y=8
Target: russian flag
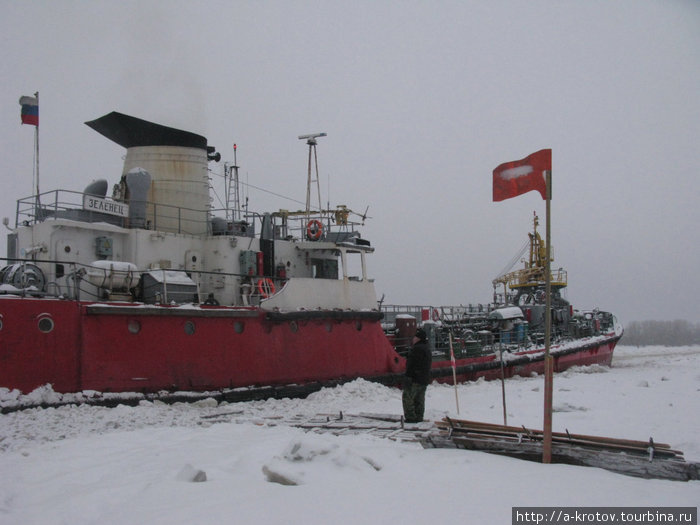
x=30 y=110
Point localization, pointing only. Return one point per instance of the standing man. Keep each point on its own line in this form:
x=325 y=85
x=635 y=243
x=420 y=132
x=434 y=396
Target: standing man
x=417 y=378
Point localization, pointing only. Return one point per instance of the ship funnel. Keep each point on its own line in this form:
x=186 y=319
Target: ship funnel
x=178 y=191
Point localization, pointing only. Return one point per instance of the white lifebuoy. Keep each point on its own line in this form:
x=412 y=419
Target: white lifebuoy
x=314 y=230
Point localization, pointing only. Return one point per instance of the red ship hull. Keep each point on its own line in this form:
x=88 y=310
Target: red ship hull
x=77 y=346
x=596 y=351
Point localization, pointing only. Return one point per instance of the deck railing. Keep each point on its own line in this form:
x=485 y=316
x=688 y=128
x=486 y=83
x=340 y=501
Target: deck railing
x=66 y=204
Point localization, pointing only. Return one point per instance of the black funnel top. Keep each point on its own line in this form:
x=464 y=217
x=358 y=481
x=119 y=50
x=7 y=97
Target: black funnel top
x=131 y=131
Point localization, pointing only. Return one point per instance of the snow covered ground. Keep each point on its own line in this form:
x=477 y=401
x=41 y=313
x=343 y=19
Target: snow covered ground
x=128 y=465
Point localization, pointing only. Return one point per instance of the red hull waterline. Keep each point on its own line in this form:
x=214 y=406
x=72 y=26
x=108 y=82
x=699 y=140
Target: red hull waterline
x=77 y=346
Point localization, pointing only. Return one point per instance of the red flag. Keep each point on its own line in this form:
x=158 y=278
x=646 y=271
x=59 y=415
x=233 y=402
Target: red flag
x=511 y=179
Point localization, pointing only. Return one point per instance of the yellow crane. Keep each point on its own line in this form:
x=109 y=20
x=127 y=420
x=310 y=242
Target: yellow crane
x=533 y=275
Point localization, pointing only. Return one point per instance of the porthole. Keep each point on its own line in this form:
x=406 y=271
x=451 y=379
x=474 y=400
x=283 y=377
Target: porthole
x=134 y=326
x=329 y=326
x=0 y=322
x=189 y=328
x=358 y=326
x=45 y=325
x=294 y=326
x=238 y=327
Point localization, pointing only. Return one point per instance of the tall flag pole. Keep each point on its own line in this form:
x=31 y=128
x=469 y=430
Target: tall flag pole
x=510 y=179
x=548 y=360
x=30 y=115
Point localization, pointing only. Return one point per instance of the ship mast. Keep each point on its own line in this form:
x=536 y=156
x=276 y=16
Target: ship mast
x=538 y=250
x=232 y=187
x=311 y=141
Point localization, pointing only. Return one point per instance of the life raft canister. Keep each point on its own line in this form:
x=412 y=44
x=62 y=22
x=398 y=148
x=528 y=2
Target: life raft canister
x=314 y=230
x=266 y=287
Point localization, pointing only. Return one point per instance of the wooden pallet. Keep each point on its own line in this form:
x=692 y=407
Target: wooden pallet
x=646 y=459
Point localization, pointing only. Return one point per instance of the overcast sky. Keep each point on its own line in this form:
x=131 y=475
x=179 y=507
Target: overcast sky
x=420 y=100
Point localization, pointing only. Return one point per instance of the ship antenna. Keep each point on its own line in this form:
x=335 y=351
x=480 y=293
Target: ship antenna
x=311 y=141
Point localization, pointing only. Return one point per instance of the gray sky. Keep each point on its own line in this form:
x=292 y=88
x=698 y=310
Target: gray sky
x=420 y=100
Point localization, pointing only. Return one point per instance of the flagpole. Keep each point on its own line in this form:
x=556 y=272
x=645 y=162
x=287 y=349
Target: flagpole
x=36 y=140
x=548 y=360
x=511 y=179
x=30 y=115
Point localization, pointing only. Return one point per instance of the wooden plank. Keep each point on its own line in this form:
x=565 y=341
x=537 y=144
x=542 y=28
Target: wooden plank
x=475 y=425
x=599 y=444
x=381 y=417
x=637 y=466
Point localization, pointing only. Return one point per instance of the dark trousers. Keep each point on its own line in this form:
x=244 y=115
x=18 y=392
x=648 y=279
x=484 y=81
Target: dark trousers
x=413 y=399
